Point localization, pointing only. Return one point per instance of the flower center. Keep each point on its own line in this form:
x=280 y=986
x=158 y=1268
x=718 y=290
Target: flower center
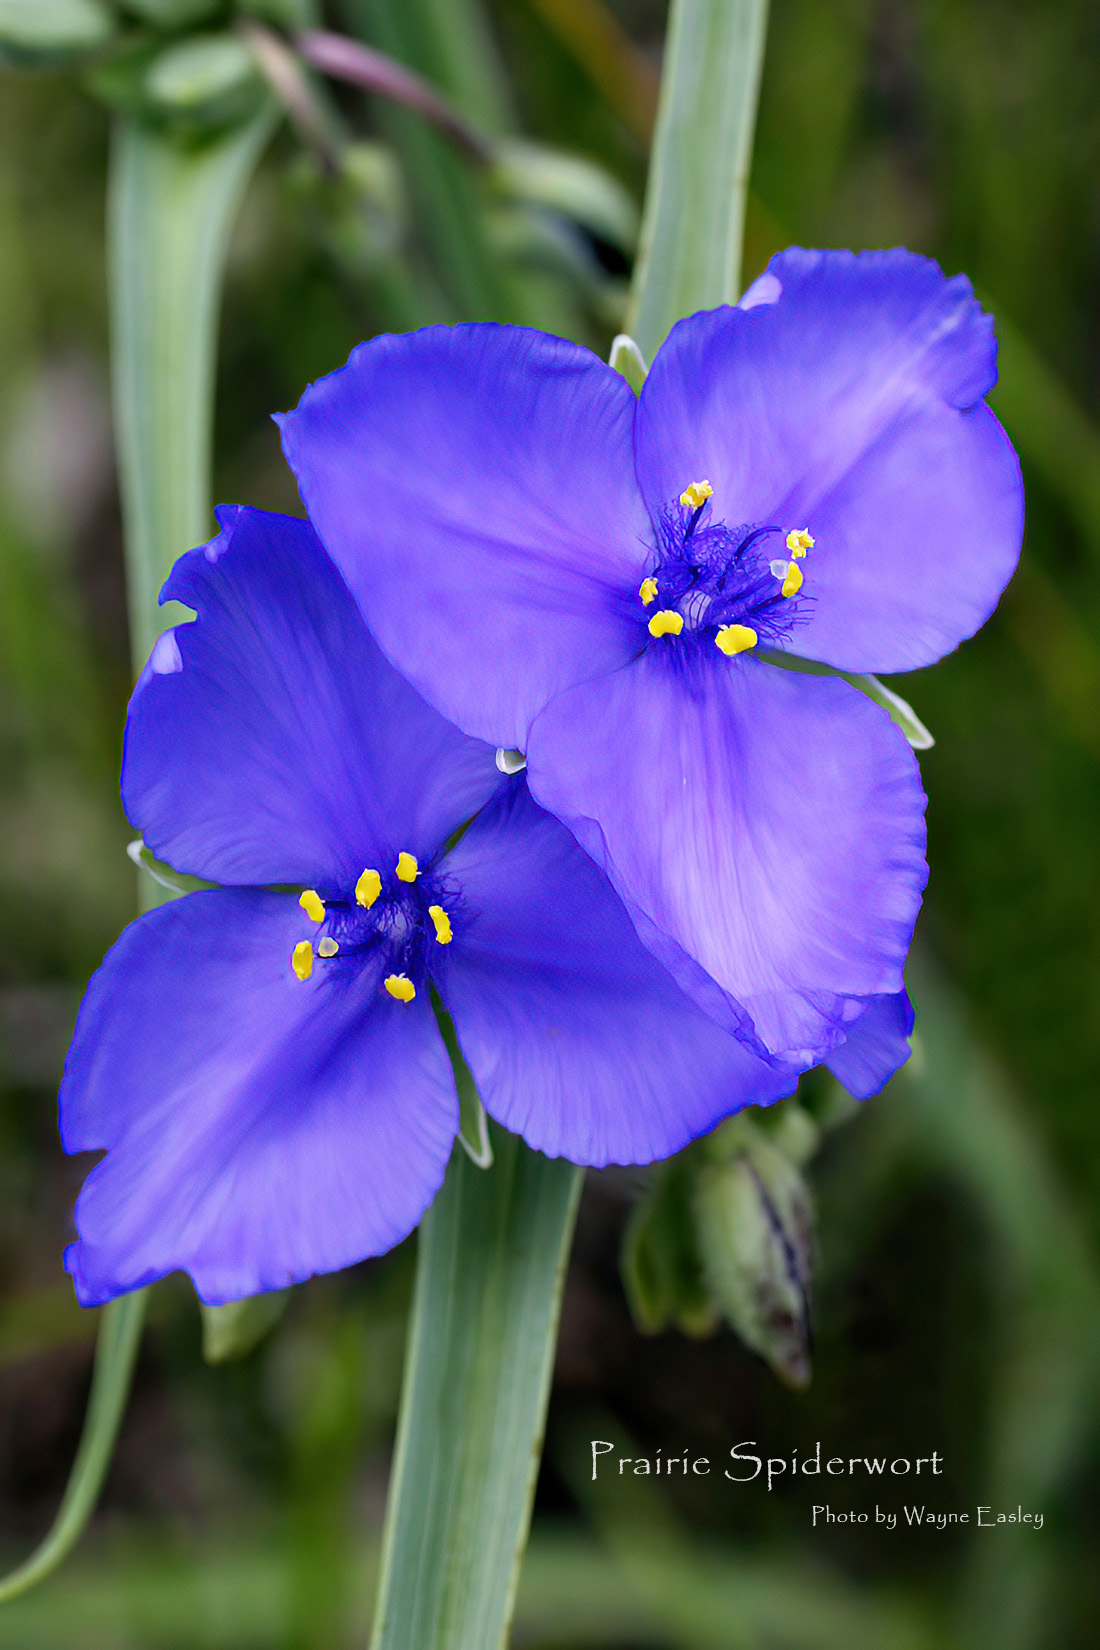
x=723 y=582
x=403 y=915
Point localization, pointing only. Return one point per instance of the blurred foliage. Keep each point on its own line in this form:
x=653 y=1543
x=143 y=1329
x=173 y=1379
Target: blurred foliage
x=958 y=1216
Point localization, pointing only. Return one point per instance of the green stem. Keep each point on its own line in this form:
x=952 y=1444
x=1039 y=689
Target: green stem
x=493 y=1249
x=116 y=1351
x=690 y=256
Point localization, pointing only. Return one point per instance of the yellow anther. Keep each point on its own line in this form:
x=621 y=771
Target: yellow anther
x=792 y=584
x=695 y=494
x=400 y=986
x=735 y=638
x=407 y=868
x=368 y=888
x=301 y=959
x=799 y=541
x=328 y=947
x=312 y=905
x=443 y=932
x=666 y=622
x=648 y=591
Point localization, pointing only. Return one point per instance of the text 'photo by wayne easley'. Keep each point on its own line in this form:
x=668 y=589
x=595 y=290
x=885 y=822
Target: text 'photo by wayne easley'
x=745 y=1467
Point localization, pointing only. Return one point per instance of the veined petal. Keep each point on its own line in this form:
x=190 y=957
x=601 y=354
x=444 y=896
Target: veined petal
x=270 y=740
x=577 y=1037
x=769 y=824
x=258 y=1128
x=844 y=397
x=875 y=1045
x=475 y=486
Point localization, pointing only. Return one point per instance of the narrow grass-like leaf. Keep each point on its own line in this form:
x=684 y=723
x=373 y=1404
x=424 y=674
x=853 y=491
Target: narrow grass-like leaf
x=170 y=211
x=473 y=1125
x=694 y=216
x=119 y=1334
x=897 y=708
x=488 y=1291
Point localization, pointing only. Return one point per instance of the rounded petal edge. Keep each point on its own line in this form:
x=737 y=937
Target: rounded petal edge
x=475 y=486
x=844 y=397
x=258 y=1128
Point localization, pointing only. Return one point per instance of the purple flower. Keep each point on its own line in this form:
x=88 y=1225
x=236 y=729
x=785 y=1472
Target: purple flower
x=261 y=1061
x=598 y=580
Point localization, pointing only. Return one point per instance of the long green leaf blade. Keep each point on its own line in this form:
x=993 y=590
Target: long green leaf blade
x=116 y=1350
x=170 y=211
x=695 y=202
x=488 y=1292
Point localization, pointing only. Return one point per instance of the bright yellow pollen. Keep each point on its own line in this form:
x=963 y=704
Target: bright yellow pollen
x=328 y=947
x=666 y=623
x=312 y=905
x=301 y=959
x=442 y=922
x=735 y=638
x=792 y=584
x=407 y=868
x=648 y=591
x=695 y=494
x=400 y=986
x=799 y=541
x=368 y=888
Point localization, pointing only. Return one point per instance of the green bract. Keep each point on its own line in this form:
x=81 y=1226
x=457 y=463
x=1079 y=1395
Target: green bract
x=195 y=87
x=38 y=31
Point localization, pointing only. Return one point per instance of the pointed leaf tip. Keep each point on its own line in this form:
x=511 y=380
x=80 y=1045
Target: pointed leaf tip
x=628 y=360
x=231 y=1330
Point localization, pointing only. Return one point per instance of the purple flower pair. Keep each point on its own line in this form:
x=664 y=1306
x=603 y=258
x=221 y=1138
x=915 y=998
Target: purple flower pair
x=602 y=583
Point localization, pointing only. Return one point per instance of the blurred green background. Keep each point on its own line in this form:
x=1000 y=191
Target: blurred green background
x=958 y=1214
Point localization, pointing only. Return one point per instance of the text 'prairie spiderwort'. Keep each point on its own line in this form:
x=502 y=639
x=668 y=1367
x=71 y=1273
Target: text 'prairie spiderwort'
x=593 y=578
x=261 y=1061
